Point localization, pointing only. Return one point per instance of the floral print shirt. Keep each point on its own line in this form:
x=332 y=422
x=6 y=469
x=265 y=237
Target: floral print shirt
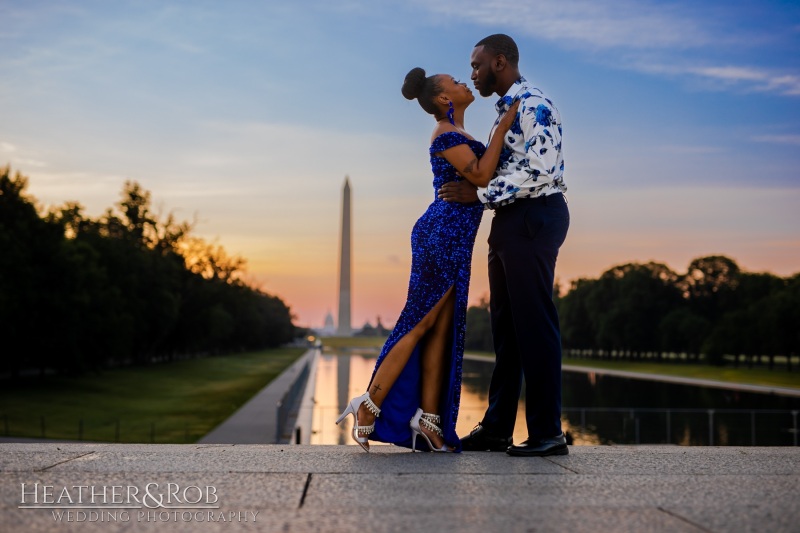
x=531 y=163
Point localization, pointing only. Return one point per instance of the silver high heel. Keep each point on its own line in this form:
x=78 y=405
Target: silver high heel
x=430 y=421
x=352 y=409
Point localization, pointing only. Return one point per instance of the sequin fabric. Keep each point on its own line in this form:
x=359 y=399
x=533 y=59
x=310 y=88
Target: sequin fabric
x=441 y=245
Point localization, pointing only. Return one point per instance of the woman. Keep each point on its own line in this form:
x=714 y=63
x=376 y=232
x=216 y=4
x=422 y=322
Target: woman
x=416 y=386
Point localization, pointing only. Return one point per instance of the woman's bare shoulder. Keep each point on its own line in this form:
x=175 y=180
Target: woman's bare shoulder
x=441 y=129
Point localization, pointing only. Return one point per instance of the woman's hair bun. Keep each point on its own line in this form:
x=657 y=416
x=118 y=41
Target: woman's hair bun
x=414 y=83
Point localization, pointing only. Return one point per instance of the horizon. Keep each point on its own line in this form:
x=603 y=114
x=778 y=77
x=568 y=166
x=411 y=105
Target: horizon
x=561 y=286
x=681 y=127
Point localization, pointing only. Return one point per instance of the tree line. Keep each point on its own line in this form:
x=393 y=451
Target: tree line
x=715 y=313
x=128 y=287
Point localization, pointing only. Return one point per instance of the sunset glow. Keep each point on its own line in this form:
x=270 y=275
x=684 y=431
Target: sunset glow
x=681 y=127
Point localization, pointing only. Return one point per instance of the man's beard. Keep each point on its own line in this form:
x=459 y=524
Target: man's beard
x=487 y=88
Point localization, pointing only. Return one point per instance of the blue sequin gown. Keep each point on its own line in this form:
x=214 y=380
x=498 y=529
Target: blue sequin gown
x=441 y=247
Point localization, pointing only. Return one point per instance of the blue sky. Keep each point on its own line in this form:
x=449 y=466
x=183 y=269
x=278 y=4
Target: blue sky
x=681 y=120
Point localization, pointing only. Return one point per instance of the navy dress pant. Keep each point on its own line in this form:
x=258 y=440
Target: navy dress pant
x=523 y=246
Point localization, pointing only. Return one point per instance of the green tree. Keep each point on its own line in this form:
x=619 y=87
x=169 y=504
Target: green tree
x=628 y=303
x=78 y=293
x=683 y=331
x=577 y=326
x=479 y=328
x=708 y=284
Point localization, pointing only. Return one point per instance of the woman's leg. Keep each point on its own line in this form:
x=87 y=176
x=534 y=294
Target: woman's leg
x=434 y=355
x=394 y=361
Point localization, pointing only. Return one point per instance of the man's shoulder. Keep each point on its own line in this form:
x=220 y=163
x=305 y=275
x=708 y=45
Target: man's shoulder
x=532 y=94
x=534 y=98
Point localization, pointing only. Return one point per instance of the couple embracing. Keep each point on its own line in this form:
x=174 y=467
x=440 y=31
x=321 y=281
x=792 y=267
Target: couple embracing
x=413 y=397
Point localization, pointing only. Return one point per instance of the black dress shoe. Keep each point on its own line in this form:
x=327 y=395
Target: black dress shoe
x=539 y=448
x=480 y=440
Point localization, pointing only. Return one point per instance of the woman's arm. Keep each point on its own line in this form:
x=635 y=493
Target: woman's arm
x=479 y=171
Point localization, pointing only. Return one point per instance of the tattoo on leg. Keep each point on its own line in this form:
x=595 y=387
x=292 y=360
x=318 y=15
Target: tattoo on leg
x=470 y=166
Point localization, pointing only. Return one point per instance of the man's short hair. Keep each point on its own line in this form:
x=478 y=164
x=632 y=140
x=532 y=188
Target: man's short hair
x=501 y=44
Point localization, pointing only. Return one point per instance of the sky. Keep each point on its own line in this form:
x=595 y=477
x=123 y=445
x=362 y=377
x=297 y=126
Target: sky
x=681 y=126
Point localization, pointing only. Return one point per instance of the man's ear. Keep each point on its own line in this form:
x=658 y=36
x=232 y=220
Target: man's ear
x=500 y=62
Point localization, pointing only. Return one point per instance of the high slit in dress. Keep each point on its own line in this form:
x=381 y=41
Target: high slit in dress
x=441 y=246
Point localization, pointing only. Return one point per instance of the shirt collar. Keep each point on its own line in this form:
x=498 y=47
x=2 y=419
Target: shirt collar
x=505 y=102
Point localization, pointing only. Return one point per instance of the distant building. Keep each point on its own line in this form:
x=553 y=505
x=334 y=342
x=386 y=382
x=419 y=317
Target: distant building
x=329 y=329
x=379 y=330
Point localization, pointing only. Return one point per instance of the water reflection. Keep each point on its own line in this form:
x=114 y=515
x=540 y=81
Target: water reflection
x=597 y=408
x=337 y=379
x=343 y=375
x=624 y=411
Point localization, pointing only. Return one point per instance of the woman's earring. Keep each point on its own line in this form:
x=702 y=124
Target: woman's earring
x=450 y=114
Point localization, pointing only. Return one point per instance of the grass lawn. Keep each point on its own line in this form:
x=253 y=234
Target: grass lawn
x=354 y=342
x=174 y=402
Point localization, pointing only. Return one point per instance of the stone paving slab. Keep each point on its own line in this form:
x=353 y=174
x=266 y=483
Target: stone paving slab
x=491 y=519
x=273 y=497
x=22 y=460
x=286 y=488
x=621 y=460
x=270 y=458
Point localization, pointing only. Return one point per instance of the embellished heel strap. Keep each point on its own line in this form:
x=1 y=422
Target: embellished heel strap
x=365 y=430
x=430 y=417
x=374 y=409
x=431 y=421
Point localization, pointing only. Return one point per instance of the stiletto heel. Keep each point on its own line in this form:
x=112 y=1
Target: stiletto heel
x=430 y=422
x=352 y=409
x=347 y=411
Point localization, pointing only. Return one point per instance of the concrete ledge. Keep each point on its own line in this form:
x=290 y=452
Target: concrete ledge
x=341 y=488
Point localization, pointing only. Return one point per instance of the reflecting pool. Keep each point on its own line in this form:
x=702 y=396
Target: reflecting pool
x=597 y=408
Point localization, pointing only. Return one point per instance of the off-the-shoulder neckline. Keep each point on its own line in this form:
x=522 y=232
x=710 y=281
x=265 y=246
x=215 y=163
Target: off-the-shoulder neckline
x=452 y=133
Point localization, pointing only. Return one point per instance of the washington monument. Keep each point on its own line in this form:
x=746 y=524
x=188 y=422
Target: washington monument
x=345 y=255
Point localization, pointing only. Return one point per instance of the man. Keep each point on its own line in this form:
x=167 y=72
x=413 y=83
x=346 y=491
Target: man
x=530 y=223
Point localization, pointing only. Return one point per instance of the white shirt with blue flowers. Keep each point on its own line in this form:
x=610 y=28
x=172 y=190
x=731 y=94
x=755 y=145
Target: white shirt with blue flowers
x=531 y=163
